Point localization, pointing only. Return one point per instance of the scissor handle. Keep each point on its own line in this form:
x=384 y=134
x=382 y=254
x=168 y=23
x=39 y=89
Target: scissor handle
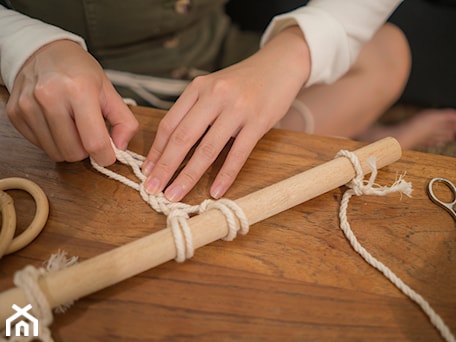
x=448 y=206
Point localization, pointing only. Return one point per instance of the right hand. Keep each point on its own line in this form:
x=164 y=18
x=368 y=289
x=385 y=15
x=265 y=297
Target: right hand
x=243 y=101
x=60 y=100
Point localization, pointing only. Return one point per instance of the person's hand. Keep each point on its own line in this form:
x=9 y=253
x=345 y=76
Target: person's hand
x=60 y=100
x=244 y=100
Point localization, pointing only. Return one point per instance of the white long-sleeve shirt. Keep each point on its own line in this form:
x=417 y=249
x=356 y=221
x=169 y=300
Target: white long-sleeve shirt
x=20 y=37
x=334 y=30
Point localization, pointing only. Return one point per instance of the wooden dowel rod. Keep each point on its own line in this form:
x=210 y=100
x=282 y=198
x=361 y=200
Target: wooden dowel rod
x=138 y=256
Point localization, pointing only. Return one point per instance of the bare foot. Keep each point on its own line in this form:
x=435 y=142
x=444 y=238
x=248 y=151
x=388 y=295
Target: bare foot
x=428 y=128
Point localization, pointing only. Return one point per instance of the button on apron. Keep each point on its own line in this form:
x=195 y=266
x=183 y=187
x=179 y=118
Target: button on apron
x=171 y=43
x=183 y=6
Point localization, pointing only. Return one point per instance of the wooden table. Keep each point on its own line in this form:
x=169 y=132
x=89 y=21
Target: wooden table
x=294 y=277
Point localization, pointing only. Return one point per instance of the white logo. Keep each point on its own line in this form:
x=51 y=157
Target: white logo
x=23 y=326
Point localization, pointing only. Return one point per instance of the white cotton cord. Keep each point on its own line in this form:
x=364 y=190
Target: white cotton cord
x=114 y=175
x=234 y=215
x=129 y=158
x=177 y=221
x=151 y=98
x=158 y=202
x=363 y=187
x=149 y=87
x=162 y=205
x=177 y=213
x=306 y=115
x=132 y=159
x=57 y=262
x=158 y=85
x=129 y=101
x=360 y=187
x=28 y=280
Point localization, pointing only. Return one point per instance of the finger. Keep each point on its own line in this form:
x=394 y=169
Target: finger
x=58 y=114
x=123 y=122
x=205 y=154
x=64 y=133
x=167 y=126
x=15 y=115
x=184 y=137
x=91 y=126
x=243 y=145
x=29 y=118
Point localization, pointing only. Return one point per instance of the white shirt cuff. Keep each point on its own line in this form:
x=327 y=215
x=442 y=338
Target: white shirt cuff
x=335 y=32
x=20 y=37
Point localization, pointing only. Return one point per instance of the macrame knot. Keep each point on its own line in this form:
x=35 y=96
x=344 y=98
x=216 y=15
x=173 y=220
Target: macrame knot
x=157 y=202
x=177 y=222
x=235 y=217
x=177 y=213
x=28 y=280
x=359 y=186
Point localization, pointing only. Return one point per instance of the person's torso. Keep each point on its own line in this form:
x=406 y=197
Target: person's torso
x=144 y=36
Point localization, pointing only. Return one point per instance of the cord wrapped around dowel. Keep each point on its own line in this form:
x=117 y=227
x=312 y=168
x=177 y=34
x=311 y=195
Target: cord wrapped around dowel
x=128 y=260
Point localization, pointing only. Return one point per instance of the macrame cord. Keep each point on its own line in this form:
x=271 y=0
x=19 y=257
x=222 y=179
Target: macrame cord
x=177 y=214
x=28 y=280
x=358 y=186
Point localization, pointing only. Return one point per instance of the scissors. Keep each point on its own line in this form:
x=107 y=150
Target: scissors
x=448 y=206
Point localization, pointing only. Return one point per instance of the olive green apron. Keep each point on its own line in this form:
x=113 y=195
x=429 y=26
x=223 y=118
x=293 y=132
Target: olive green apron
x=165 y=38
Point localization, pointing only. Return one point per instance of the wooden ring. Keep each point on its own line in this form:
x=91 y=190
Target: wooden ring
x=8 y=244
x=8 y=222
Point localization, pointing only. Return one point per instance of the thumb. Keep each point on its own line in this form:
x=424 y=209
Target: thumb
x=124 y=124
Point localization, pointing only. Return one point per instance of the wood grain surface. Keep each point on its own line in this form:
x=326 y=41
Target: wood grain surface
x=294 y=277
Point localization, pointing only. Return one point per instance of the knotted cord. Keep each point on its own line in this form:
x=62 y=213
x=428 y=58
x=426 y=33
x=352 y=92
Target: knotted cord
x=178 y=213
x=358 y=186
x=28 y=280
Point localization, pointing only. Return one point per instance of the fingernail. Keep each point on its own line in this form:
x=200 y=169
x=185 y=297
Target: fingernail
x=152 y=185
x=123 y=146
x=174 y=193
x=147 y=167
x=217 y=191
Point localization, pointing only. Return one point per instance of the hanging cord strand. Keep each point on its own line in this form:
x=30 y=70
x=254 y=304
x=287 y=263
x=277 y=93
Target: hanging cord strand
x=360 y=187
